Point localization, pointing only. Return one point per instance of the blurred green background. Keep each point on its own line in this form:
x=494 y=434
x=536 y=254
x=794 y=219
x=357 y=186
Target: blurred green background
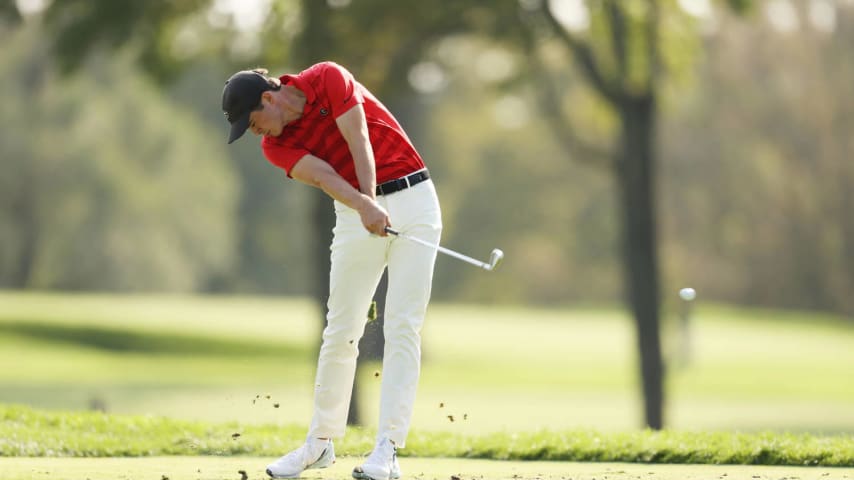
x=147 y=268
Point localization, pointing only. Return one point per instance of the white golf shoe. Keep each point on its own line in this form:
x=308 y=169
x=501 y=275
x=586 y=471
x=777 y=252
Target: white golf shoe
x=381 y=464
x=314 y=453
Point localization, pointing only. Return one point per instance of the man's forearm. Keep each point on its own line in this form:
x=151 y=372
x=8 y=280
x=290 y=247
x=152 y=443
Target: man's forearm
x=366 y=170
x=374 y=217
x=336 y=187
x=354 y=129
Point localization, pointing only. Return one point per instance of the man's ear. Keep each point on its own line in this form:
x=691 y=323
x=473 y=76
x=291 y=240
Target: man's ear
x=267 y=97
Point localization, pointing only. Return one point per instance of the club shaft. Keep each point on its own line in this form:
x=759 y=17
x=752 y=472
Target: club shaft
x=442 y=249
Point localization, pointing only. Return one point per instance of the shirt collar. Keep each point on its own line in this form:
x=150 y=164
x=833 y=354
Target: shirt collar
x=305 y=87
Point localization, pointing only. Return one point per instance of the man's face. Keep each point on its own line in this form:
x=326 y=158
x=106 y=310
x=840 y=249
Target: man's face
x=268 y=120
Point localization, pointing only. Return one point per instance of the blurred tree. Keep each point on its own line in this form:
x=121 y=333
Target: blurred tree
x=81 y=25
x=271 y=249
x=624 y=49
x=621 y=58
x=103 y=186
x=760 y=169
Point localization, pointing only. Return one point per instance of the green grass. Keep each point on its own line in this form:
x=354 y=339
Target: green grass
x=182 y=374
x=129 y=340
x=174 y=468
x=494 y=369
x=32 y=433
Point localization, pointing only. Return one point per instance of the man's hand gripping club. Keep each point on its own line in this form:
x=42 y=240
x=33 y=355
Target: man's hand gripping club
x=374 y=216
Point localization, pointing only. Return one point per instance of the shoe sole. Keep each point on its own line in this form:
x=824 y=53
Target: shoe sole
x=282 y=476
x=360 y=475
x=300 y=473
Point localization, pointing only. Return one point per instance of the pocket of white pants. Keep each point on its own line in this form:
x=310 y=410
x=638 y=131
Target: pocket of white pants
x=418 y=205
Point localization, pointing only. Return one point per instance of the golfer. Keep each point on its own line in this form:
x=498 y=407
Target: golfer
x=325 y=129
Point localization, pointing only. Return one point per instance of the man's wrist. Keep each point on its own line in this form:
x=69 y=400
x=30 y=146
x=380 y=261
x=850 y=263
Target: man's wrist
x=365 y=201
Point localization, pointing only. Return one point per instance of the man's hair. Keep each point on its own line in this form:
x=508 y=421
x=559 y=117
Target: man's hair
x=273 y=82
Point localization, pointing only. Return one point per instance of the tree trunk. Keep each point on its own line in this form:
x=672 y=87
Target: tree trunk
x=635 y=171
x=29 y=227
x=314 y=46
x=846 y=206
x=371 y=347
x=373 y=341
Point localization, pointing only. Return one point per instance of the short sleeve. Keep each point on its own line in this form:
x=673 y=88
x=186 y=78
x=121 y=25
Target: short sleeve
x=282 y=156
x=341 y=89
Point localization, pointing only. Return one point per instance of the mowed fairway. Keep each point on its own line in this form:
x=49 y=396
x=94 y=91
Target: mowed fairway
x=230 y=468
x=486 y=368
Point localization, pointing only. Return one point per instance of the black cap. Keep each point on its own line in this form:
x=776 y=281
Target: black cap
x=242 y=93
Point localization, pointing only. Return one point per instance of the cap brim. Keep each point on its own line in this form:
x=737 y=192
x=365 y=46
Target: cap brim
x=238 y=128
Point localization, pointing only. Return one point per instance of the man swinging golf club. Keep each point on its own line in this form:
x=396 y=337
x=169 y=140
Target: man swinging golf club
x=325 y=129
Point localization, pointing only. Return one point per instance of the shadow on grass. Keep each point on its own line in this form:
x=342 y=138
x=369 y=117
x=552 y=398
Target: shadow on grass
x=149 y=342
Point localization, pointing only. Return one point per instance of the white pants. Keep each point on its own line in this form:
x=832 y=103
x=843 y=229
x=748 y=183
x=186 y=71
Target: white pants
x=358 y=261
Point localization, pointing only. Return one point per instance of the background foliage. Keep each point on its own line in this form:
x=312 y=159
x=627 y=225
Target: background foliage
x=112 y=183
x=106 y=185
x=539 y=121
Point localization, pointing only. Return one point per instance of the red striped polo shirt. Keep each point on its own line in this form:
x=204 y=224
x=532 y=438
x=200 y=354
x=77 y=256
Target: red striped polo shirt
x=330 y=91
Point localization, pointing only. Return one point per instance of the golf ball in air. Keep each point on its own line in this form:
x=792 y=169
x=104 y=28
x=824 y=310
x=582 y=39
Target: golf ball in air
x=687 y=294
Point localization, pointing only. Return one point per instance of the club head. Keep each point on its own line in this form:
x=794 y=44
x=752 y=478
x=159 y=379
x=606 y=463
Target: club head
x=495 y=259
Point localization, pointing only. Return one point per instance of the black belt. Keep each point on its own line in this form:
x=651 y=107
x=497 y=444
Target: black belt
x=402 y=183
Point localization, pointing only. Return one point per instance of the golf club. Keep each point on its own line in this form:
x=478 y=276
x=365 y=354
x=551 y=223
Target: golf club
x=495 y=257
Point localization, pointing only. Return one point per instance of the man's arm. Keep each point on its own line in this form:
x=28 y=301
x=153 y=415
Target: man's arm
x=317 y=173
x=354 y=129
